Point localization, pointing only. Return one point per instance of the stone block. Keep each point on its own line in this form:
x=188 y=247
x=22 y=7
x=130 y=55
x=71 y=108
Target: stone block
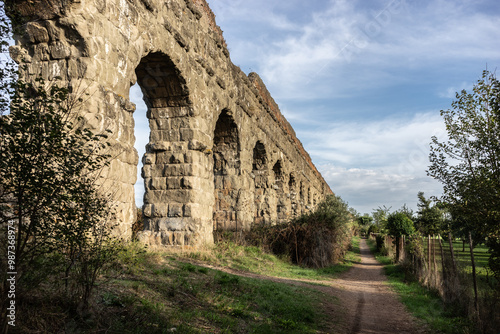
x=36 y=33
x=155 y=146
x=176 y=158
x=175 y=210
x=166 y=238
x=155 y=196
x=195 y=135
x=178 y=170
x=197 y=145
x=160 y=210
x=158 y=183
x=149 y=159
x=58 y=50
x=191 y=182
x=178 y=238
x=180 y=196
x=41 y=52
x=147 y=210
x=193 y=210
x=161 y=110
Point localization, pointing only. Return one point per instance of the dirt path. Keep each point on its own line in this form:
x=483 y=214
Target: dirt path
x=361 y=301
x=371 y=306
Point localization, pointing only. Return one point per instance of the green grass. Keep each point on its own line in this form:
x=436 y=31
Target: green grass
x=484 y=275
x=481 y=257
x=255 y=260
x=170 y=293
x=174 y=293
x=160 y=292
x=420 y=301
x=195 y=299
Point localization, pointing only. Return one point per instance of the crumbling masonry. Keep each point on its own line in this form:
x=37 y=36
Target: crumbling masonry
x=220 y=154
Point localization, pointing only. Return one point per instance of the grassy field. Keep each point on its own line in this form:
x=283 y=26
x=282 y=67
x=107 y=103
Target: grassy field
x=462 y=255
x=154 y=292
x=481 y=256
x=255 y=260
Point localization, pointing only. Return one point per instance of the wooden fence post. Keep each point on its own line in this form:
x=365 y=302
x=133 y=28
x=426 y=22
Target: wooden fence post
x=429 y=255
x=452 y=252
x=473 y=271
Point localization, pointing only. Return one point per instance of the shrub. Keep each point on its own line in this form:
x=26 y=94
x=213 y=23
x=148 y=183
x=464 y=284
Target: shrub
x=50 y=194
x=316 y=239
x=380 y=239
x=373 y=229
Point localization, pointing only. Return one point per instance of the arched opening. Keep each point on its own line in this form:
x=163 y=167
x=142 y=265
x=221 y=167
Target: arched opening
x=279 y=182
x=309 y=199
x=226 y=157
x=161 y=83
x=292 y=187
x=259 y=170
x=301 y=197
x=166 y=98
x=259 y=157
x=278 y=174
x=141 y=132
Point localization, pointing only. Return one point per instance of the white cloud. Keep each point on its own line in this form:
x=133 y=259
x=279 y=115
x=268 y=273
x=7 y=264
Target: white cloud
x=339 y=49
x=376 y=42
x=367 y=189
x=397 y=143
x=450 y=92
x=377 y=163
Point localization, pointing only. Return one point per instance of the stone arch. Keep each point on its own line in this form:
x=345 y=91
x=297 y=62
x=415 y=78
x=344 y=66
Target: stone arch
x=168 y=166
x=161 y=83
x=177 y=53
x=260 y=175
x=226 y=159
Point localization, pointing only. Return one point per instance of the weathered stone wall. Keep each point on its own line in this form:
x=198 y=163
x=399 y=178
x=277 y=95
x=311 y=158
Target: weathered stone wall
x=220 y=154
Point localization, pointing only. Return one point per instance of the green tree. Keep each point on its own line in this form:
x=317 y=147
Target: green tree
x=398 y=225
x=468 y=162
x=430 y=219
x=380 y=217
x=365 y=220
x=54 y=217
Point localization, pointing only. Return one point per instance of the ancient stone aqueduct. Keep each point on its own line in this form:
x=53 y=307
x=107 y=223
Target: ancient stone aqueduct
x=220 y=154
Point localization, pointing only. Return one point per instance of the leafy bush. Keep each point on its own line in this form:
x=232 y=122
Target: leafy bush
x=50 y=196
x=316 y=239
x=398 y=224
x=380 y=240
x=373 y=229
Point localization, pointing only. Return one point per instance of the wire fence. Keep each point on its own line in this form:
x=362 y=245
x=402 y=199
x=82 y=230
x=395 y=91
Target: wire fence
x=436 y=263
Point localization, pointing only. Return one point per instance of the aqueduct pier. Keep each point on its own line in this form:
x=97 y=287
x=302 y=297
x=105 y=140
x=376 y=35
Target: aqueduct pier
x=220 y=156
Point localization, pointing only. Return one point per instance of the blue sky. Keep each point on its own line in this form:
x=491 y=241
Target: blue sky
x=361 y=82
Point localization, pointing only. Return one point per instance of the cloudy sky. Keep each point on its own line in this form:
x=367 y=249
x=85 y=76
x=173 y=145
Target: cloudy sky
x=362 y=82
